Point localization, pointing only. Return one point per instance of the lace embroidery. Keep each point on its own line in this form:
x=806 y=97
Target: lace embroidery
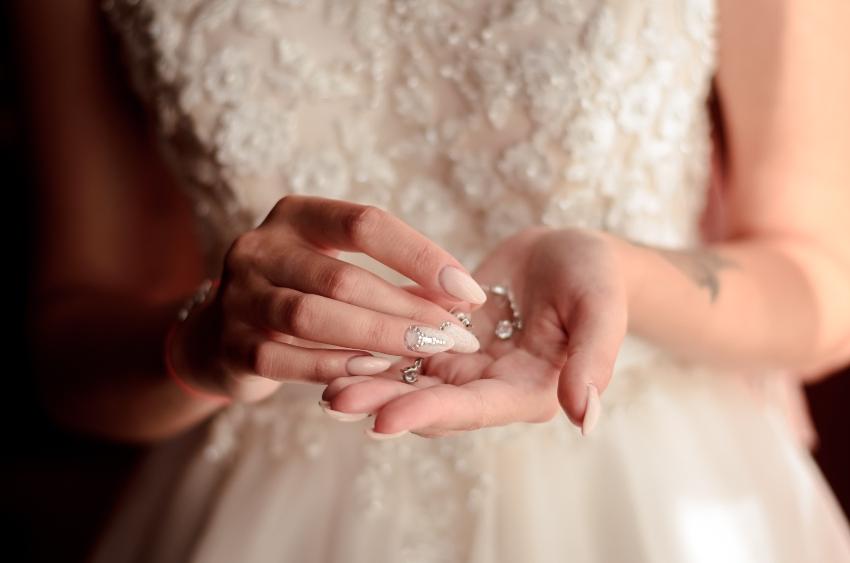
x=563 y=112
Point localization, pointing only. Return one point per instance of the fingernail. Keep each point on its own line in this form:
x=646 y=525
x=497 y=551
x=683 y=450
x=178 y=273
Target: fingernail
x=459 y=284
x=592 y=410
x=379 y=436
x=342 y=416
x=465 y=341
x=427 y=340
x=367 y=365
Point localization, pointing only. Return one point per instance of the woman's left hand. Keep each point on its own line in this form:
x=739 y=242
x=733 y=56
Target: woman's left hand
x=571 y=289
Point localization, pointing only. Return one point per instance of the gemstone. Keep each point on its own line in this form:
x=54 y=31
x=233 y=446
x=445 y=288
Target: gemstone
x=499 y=290
x=413 y=338
x=504 y=329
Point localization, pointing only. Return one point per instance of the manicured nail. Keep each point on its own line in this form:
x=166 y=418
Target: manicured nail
x=427 y=340
x=592 y=410
x=367 y=365
x=465 y=341
x=379 y=436
x=460 y=285
x=343 y=416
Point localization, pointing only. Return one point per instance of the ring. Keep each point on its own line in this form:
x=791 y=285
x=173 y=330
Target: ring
x=411 y=373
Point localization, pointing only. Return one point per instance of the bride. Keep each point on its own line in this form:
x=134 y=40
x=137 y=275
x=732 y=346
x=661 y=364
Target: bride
x=530 y=319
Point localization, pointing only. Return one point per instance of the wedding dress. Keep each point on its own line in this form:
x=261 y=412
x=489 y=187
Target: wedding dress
x=469 y=119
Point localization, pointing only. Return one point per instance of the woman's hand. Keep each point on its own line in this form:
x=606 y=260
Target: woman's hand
x=571 y=289
x=286 y=304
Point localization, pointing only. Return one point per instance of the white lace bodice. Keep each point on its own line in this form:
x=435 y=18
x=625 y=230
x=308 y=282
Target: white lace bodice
x=470 y=119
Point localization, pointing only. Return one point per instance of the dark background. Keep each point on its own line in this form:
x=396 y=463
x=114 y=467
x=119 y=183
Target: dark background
x=58 y=488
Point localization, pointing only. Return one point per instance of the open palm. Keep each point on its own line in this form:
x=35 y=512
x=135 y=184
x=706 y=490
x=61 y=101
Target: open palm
x=568 y=286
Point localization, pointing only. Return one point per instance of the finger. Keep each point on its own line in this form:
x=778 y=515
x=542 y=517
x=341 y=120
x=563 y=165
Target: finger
x=596 y=329
x=522 y=391
x=254 y=355
x=349 y=226
x=336 y=385
x=321 y=319
x=308 y=271
x=373 y=393
x=457 y=369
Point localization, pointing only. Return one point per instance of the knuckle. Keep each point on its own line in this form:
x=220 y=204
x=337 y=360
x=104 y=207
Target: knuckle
x=241 y=251
x=341 y=283
x=362 y=224
x=293 y=313
x=317 y=369
x=283 y=206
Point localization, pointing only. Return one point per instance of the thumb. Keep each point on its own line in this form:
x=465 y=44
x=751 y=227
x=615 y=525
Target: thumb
x=595 y=329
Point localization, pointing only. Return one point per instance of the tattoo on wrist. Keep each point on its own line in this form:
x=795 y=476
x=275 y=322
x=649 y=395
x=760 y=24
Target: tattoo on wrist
x=702 y=266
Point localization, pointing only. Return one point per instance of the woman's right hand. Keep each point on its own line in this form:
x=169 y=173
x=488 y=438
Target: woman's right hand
x=286 y=303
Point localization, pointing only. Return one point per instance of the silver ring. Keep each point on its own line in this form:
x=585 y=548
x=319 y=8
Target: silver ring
x=411 y=373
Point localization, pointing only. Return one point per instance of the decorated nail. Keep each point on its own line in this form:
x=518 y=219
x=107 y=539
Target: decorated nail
x=427 y=340
x=465 y=341
x=460 y=285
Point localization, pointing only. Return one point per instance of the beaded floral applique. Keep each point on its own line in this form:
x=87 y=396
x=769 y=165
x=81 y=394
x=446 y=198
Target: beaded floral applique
x=470 y=120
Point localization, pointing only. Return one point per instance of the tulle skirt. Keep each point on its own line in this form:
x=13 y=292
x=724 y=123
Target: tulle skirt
x=685 y=465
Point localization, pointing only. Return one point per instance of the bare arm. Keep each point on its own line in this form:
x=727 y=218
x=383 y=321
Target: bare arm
x=117 y=247
x=776 y=292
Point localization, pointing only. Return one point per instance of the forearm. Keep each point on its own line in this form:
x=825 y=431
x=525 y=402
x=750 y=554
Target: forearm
x=100 y=365
x=760 y=303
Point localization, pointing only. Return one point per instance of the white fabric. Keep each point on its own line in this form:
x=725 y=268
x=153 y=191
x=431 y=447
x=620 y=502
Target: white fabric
x=470 y=119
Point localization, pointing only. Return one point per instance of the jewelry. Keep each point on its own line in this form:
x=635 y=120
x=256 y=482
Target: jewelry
x=506 y=328
x=464 y=319
x=411 y=373
x=200 y=295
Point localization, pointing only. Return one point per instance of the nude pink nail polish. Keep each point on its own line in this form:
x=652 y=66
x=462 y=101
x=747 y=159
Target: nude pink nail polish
x=592 y=410
x=460 y=285
x=465 y=341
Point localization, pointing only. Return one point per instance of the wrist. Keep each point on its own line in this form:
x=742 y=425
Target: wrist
x=632 y=265
x=189 y=345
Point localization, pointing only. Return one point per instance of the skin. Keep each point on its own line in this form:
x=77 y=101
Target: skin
x=773 y=293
